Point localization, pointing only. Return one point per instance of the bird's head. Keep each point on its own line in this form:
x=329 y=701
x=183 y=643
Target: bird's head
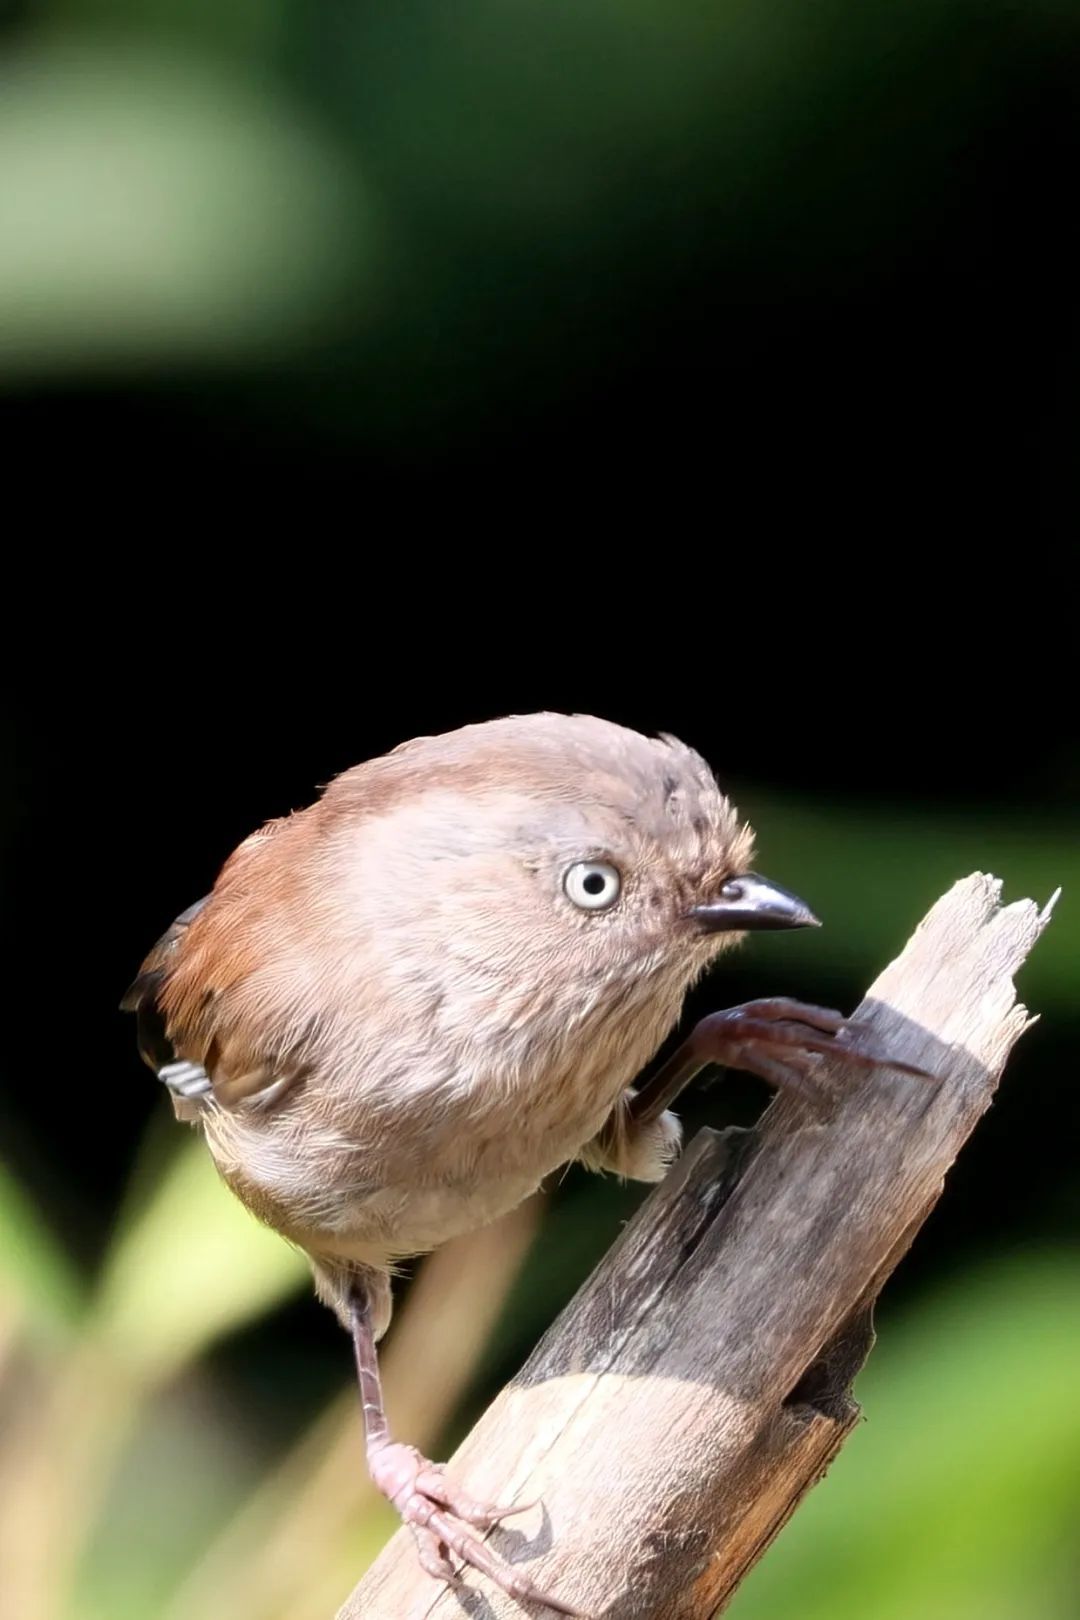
x=548 y=864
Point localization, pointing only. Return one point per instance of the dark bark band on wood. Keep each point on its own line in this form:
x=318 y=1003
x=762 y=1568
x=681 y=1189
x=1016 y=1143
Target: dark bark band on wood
x=700 y=1382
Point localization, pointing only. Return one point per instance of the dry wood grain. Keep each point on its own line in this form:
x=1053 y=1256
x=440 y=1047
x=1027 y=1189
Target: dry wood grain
x=700 y=1381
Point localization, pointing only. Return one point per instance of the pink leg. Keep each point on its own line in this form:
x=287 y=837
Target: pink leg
x=777 y=1039
x=420 y=1491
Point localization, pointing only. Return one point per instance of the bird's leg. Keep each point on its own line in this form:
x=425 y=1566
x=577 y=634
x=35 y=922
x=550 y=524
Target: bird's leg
x=426 y=1500
x=637 y=1149
x=778 y=1039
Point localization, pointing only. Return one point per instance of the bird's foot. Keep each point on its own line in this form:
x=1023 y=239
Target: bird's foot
x=429 y=1503
x=781 y=1040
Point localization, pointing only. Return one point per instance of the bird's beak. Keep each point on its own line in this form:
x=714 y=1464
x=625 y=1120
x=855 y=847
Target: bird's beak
x=749 y=901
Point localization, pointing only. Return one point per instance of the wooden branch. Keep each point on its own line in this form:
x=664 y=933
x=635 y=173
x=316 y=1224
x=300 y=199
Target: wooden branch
x=699 y=1383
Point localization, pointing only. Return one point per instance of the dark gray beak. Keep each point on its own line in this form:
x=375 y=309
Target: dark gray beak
x=749 y=901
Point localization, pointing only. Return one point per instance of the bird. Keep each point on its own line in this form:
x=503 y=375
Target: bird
x=404 y=1007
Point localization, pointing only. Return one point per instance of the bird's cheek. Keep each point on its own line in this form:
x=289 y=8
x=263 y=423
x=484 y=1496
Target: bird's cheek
x=707 y=949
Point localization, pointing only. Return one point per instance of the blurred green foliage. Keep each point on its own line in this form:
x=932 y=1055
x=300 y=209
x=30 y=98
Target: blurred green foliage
x=458 y=198
x=958 y=1497
x=154 y=205
x=186 y=1267
x=41 y=1288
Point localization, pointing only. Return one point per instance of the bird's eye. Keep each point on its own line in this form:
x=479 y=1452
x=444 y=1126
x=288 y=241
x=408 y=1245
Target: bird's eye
x=592 y=885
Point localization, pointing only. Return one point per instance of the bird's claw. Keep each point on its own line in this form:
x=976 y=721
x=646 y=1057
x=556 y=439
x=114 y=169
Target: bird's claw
x=780 y=1040
x=429 y=1504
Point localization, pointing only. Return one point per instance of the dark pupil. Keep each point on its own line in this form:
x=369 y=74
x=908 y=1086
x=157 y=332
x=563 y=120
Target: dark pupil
x=595 y=883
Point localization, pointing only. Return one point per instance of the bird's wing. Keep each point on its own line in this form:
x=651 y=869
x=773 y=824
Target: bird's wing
x=155 y=1047
x=228 y=1072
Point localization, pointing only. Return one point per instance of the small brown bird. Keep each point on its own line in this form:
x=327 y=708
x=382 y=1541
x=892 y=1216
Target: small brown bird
x=402 y=1008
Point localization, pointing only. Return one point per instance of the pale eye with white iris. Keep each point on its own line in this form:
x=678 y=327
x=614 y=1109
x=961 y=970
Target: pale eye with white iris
x=593 y=885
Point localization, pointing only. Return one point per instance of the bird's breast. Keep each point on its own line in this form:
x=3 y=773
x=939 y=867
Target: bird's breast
x=389 y=1149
